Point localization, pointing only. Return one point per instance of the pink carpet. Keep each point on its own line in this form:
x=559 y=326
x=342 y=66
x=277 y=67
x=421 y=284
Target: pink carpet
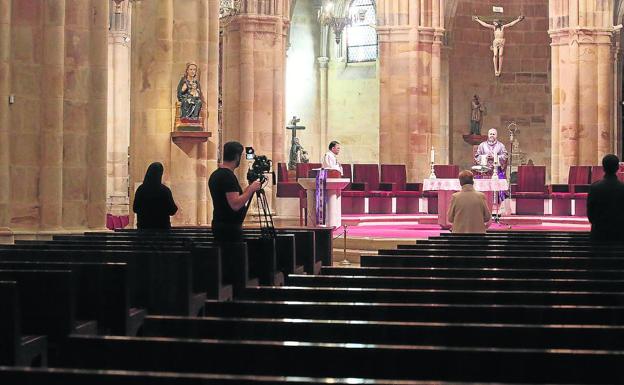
x=399 y=230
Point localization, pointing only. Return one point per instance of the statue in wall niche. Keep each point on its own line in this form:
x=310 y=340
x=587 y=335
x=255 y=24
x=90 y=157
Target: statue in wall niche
x=498 y=44
x=477 y=110
x=189 y=96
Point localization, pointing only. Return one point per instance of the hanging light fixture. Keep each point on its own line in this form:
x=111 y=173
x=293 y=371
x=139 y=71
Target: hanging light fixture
x=327 y=17
x=227 y=10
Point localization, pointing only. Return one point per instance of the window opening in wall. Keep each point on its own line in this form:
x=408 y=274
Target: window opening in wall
x=361 y=34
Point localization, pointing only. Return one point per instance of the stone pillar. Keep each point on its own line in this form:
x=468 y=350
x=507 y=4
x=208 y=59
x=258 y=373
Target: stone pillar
x=96 y=130
x=410 y=42
x=118 y=128
x=25 y=115
x=151 y=109
x=52 y=75
x=323 y=61
x=254 y=48
x=5 y=91
x=582 y=39
x=159 y=57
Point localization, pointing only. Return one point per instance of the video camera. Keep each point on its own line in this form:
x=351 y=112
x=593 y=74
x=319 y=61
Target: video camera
x=259 y=168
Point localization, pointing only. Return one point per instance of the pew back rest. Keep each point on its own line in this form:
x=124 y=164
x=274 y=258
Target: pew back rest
x=9 y=322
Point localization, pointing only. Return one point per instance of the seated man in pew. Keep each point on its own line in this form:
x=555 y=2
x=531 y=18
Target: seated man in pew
x=468 y=212
x=228 y=198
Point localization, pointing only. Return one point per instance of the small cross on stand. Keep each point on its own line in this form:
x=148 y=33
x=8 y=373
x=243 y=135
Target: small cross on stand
x=295 y=146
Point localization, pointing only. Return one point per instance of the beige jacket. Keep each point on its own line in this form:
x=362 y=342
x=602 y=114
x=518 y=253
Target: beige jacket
x=469 y=211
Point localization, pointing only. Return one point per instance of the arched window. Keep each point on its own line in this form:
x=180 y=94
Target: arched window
x=361 y=34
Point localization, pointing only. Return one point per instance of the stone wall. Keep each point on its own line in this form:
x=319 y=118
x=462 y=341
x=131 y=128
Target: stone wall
x=521 y=94
x=302 y=78
x=353 y=110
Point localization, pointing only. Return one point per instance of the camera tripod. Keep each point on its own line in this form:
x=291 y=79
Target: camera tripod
x=267 y=228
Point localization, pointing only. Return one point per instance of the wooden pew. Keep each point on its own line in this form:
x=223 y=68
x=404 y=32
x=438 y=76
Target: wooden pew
x=207 y=258
x=451 y=272
x=436 y=283
x=402 y=312
x=372 y=361
x=493 y=261
x=528 y=336
x=60 y=376
x=101 y=290
x=161 y=281
x=432 y=295
x=47 y=300
x=16 y=348
x=262 y=259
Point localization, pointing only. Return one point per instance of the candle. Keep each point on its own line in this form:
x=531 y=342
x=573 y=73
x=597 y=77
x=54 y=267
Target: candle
x=496 y=159
x=432 y=155
x=483 y=160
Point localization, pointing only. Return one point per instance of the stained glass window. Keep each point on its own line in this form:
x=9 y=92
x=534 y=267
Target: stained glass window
x=361 y=34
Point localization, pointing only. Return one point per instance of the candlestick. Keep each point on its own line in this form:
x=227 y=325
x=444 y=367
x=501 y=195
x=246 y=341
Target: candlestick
x=432 y=175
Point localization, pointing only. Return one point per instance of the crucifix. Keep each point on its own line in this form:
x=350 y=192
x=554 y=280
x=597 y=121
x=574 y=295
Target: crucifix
x=295 y=146
x=498 y=44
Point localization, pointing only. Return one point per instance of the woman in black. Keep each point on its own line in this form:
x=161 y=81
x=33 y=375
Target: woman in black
x=153 y=202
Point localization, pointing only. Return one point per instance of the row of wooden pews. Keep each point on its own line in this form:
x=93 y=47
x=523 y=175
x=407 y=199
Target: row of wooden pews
x=501 y=308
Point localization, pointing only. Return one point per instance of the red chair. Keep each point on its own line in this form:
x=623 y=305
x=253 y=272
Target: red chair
x=286 y=188
x=379 y=194
x=441 y=171
x=531 y=190
x=562 y=195
x=407 y=194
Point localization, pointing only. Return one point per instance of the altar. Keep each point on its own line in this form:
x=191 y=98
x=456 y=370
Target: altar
x=447 y=186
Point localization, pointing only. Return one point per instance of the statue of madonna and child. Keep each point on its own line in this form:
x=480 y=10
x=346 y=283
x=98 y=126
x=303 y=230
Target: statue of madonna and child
x=189 y=96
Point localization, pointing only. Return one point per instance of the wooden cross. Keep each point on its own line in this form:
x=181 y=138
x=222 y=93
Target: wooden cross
x=294 y=145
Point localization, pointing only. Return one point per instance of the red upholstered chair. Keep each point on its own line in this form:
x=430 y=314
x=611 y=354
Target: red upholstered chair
x=441 y=171
x=352 y=201
x=379 y=195
x=597 y=174
x=407 y=194
x=562 y=195
x=531 y=190
x=285 y=187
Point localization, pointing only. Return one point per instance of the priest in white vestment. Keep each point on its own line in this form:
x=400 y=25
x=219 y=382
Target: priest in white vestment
x=330 y=160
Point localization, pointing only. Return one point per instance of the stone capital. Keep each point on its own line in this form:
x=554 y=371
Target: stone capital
x=323 y=60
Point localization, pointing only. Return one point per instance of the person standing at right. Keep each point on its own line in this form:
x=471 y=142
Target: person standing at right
x=605 y=204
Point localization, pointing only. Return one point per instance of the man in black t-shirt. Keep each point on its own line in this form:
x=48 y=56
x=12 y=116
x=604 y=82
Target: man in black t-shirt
x=228 y=198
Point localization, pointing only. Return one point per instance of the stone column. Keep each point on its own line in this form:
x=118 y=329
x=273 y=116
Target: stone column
x=254 y=46
x=151 y=109
x=98 y=100
x=119 y=109
x=582 y=131
x=323 y=61
x=160 y=54
x=5 y=91
x=52 y=75
x=410 y=42
x=25 y=115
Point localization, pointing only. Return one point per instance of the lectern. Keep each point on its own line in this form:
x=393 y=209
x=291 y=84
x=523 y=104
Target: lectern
x=333 y=190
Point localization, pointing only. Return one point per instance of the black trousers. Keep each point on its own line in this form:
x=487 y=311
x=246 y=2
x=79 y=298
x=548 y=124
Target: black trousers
x=227 y=232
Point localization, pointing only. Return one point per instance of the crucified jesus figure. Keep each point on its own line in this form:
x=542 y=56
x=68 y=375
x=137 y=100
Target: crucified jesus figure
x=499 y=39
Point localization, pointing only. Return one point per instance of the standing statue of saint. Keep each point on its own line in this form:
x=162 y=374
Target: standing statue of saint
x=476 y=115
x=189 y=93
x=498 y=44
